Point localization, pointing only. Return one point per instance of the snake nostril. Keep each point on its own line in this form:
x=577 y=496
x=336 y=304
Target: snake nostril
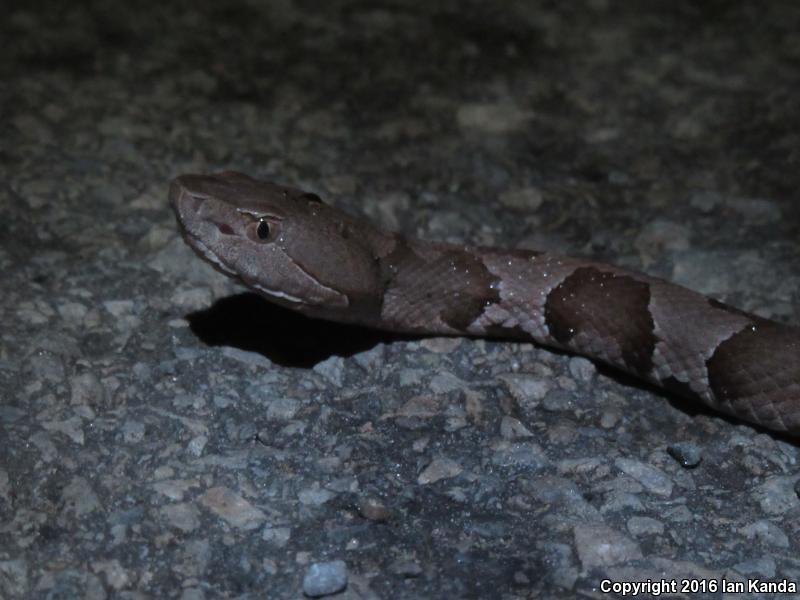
x=224 y=228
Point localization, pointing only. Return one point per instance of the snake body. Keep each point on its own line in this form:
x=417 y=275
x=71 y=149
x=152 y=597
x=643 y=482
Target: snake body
x=302 y=253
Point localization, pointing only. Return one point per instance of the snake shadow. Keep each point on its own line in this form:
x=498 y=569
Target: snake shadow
x=691 y=407
x=249 y=322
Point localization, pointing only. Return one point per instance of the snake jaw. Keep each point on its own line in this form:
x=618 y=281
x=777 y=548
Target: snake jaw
x=218 y=231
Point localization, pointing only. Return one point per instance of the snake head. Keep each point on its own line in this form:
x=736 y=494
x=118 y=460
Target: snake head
x=281 y=241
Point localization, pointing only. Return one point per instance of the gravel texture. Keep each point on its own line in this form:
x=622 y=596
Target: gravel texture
x=164 y=434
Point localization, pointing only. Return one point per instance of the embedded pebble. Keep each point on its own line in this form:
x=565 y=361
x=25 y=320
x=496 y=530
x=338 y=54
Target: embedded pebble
x=442 y=383
x=620 y=501
x=610 y=418
x=72 y=313
x=763 y=567
x=600 y=546
x=133 y=432
x=661 y=236
x=420 y=407
x=511 y=428
x=679 y=514
x=315 y=496
x=492 y=117
x=14 y=578
x=441 y=345
x=79 y=498
x=582 y=368
x=114 y=574
x=197 y=444
x=527 y=455
x=47 y=449
x=528 y=390
x=777 y=495
x=438 y=469
x=246 y=357
x=277 y=536
x=524 y=198
x=331 y=369
x=232 y=508
x=35 y=312
x=705 y=200
x=705 y=271
x=72 y=428
x=175 y=489
x=562 y=494
x=325 y=578
x=282 y=409
x=86 y=389
x=46 y=367
x=756 y=209
x=580 y=466
x=373 y=509
x=192 y=593
x=191 y=298
x=645 y=526
x=410 y=377
x=653 y=479
x=372 y=359
x=558 y=400
x=182 y=516
x=687 y=454
x=406 y=568
x=119 y=308
x=4 y=485
x=766 y=532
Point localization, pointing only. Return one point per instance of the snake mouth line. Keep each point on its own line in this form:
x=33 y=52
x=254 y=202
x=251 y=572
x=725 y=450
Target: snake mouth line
x=207 y=254
x=215 y=261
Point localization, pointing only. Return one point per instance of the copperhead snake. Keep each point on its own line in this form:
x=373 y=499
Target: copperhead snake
x=306 y=255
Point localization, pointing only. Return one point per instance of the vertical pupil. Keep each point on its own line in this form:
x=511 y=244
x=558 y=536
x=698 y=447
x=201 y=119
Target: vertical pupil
x=263 y=230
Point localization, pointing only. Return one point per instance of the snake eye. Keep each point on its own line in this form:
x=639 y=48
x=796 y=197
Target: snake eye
x=262 y=231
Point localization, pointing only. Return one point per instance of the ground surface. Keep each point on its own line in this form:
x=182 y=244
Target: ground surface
x=164 y=435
